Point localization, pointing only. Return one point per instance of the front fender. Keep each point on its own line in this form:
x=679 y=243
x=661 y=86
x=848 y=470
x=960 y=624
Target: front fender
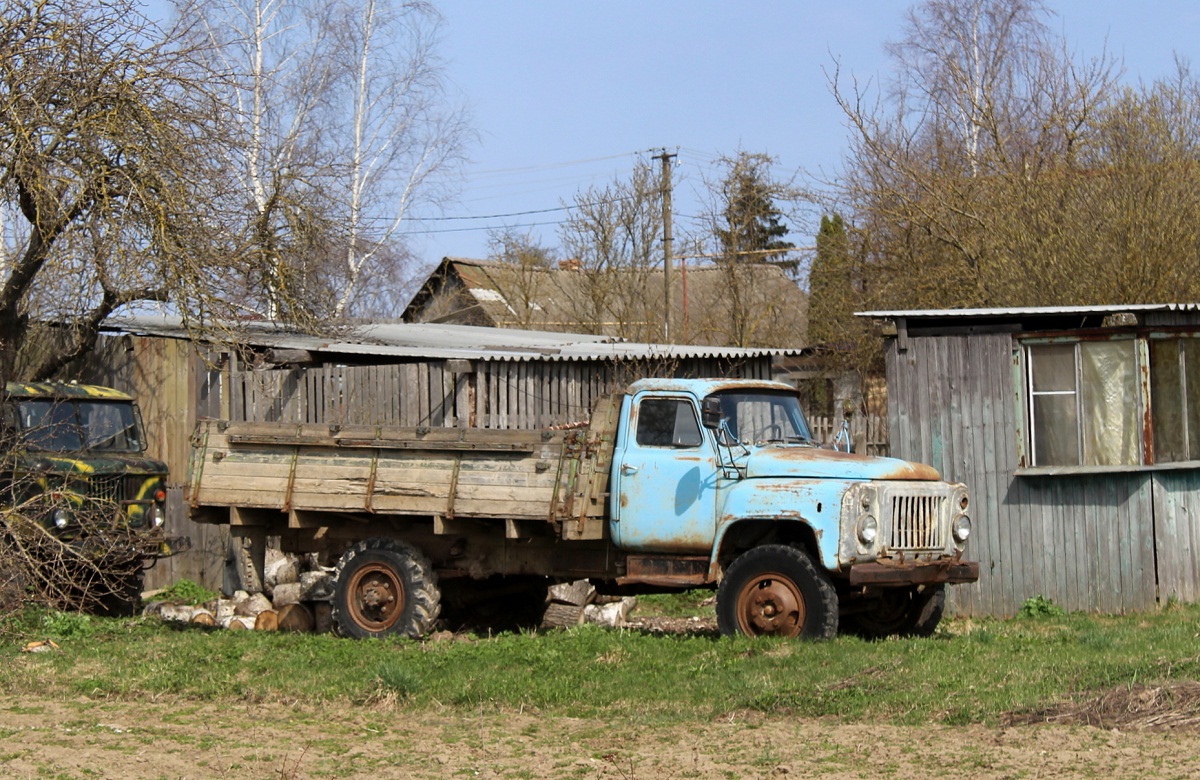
x=818 y=503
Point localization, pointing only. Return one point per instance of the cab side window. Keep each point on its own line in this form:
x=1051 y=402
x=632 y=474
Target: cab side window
x=667 y=422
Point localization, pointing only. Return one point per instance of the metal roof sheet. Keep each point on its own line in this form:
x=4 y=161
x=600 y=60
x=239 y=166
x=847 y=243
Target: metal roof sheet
x=442 y=341
x=1028 y=311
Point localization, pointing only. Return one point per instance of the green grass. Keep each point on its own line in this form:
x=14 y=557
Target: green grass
x=970 y=672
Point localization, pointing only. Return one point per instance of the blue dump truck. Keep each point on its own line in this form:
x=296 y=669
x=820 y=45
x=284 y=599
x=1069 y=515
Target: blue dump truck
x=674 y=484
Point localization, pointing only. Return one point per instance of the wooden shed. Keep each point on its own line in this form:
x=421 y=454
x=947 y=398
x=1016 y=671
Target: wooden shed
x=403 y=374
x=1077 y=430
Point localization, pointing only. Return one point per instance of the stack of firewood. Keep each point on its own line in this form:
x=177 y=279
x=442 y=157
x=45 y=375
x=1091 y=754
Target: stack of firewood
x=297 y=598
x=575 y=603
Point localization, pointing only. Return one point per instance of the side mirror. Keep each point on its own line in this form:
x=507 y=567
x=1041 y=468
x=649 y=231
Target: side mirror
x=710 y=412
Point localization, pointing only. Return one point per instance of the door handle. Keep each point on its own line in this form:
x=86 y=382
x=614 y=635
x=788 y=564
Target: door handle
x=627 y=469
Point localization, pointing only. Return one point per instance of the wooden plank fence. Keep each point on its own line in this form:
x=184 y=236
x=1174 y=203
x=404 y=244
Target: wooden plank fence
x=485 y=394
x=868 y=433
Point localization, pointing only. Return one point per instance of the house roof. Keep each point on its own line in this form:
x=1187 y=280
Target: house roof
x=506 y=295
x=440 y=341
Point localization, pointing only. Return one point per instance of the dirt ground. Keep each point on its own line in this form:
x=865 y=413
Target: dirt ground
x=85 y=738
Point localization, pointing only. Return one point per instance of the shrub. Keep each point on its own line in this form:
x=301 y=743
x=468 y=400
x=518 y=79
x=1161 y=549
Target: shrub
x=1039 y=607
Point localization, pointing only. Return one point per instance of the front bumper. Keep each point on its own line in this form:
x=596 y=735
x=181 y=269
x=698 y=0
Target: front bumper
x=914 y=572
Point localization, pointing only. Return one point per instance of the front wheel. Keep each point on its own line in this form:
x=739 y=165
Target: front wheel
x=775 y=590
x=384 y=587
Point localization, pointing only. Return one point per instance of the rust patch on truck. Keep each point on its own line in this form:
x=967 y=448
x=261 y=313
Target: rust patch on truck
x=905 y=470
x=913 y=572
x=669 y=572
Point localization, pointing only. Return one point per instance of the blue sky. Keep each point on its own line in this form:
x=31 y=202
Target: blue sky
x=565 y=94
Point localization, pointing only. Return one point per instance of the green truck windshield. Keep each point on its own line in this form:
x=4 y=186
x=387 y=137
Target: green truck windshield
x=69 y=425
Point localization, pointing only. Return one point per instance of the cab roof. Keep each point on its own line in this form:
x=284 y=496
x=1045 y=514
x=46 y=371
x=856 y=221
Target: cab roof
x=704 y=387
x=64 y=390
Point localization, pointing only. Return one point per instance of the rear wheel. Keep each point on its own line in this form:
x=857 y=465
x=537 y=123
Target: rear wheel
x=383 y=588
x=775 y=590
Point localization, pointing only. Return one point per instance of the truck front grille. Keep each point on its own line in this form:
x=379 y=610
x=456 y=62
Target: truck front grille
x=916 y=522
x=115 y=487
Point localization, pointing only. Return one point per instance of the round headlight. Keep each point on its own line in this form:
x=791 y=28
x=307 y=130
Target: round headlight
x=157 y=516
x=962 y=528
x=61 y=518
x=867 y=529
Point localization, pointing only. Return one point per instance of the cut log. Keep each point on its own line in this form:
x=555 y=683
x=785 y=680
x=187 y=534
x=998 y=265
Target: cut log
x=286 y=593
x=252 y=605
x=579 y=592
x=563 y=615
x=267 y=620
x=610 y=615
x=295 y=617
x=316 y=586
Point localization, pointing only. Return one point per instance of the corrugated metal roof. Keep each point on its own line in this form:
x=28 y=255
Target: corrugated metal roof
x=1029 y=311
x=441 y=341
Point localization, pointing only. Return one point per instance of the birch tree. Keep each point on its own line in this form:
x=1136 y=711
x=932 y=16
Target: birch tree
x=346 y=127
x=274 y=67
x=402 y=134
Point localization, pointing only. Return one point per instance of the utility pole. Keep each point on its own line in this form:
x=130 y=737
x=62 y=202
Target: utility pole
x=667 y=239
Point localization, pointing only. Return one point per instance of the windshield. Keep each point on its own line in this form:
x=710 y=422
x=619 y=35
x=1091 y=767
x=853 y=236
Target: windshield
x=763 y=415
x=59 y=425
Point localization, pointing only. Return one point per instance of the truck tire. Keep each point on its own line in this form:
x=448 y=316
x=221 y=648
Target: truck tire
x=120 y=590
x=775 y=590
x=901 y=612
x=384 y=587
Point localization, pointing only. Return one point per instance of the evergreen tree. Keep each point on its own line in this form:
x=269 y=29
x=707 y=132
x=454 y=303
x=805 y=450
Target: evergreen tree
x=833 y=289
x=752 y=222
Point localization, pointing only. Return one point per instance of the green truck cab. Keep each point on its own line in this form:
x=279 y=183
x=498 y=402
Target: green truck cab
x=74 y=466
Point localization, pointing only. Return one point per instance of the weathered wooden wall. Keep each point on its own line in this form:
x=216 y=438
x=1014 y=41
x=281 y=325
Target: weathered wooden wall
x=169 y=381
x=484 y=394
x=1109 y=542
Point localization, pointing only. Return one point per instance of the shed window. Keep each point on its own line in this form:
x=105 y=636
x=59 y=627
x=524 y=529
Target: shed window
x=1174 y=378
x=1084 y=405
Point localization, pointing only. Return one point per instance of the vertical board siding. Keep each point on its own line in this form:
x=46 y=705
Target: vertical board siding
x=497 y=394
x=1085 y=541
x=1176 y=512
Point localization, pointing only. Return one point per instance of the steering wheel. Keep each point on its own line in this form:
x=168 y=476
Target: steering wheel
x=774 y=431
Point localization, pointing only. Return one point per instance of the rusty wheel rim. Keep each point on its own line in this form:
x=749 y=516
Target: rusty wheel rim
x=770 y=604
x=376 y=597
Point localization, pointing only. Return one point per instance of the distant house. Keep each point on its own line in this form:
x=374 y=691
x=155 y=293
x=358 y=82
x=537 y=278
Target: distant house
x=746 y=305
x=1077 y=430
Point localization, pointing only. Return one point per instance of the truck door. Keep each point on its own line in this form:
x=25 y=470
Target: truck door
x=666 y=479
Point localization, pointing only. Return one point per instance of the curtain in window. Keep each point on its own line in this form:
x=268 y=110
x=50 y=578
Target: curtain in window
x=1109 y=403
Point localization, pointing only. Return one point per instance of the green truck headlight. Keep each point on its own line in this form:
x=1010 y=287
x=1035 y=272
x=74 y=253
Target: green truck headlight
x=62 y=518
